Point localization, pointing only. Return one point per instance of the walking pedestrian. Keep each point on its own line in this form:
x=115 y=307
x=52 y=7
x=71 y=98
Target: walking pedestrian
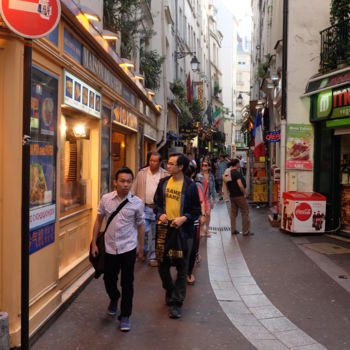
x=144 y=187
x=221 y=166
x=194 y=255
x=178 y=206
x=124 y=234
x=209 y=195
x=234 y=190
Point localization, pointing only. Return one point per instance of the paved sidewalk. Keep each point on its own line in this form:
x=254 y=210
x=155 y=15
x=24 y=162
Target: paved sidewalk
x=308 y=309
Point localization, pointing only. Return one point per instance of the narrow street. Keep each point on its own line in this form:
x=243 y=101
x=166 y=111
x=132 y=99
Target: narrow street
x=266 y=291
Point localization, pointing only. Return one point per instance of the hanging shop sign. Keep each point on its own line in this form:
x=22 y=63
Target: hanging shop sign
x=124 y=117
x=273 y=136
x=31 y=19
x=81 y=96
x=299 y=146
x=150 y=132
x=189 y=131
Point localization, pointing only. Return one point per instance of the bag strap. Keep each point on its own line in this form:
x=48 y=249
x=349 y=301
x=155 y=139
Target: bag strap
x=119 y=208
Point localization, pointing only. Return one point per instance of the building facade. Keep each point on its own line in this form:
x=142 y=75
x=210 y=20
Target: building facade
x=88 y=118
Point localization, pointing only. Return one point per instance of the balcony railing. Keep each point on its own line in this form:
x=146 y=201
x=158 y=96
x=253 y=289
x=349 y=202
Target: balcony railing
x=335 y=46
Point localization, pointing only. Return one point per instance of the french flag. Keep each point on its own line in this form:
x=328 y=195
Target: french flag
x=257 y=133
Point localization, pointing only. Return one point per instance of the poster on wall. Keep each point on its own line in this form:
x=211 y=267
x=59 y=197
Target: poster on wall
x=299 y=147
x=42 y=173
x=124 y=117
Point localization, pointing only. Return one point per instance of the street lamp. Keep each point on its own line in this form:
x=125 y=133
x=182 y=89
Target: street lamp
x=240 y=99
x=194 y=61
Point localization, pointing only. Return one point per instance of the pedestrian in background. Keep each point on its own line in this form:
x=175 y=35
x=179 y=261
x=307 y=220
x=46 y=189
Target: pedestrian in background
x=124 y=234
x=221 y=166
x=194 y=255
x=144 y=186
x=209 y=194
x=178 y=206
x=234 y=190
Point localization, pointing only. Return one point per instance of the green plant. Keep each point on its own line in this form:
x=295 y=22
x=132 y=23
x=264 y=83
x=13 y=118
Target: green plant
x=151 y=65
x=178 y=89
x=340 y=11
x=196 y=109
x=217 y=89
x=125 y=17
x=263 y=67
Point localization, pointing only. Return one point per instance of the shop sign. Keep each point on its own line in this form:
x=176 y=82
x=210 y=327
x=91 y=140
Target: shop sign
x=30 y=19
x=95 y=66
x=299 y=146
x=81 y=96
x=105 y=150
x=124 y=117
x=53 y=36
x=333 y=103
x=328 y=82
x=128 y=95
x=273 y=136
x=188 y=132
x=150 y=132
x=41 y=238
x=72 y=46
x=201 y=95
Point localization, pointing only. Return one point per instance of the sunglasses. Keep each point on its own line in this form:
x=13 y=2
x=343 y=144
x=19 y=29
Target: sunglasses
x=205 y=165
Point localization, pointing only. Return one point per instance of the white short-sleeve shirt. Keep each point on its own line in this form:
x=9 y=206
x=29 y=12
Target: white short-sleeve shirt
x=121 y=235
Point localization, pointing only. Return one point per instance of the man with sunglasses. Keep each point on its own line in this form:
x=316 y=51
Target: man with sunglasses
x=177 y=202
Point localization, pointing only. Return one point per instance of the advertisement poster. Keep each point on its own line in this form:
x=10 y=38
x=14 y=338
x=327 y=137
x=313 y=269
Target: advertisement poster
x=41 y=238
x=299 y=147
x=42 y=171
x=81 y=96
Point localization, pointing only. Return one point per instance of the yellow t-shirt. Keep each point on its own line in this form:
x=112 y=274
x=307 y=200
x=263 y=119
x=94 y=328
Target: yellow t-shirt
x=173 y=198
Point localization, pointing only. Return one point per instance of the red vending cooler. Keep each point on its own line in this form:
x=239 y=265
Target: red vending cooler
x=303 y=212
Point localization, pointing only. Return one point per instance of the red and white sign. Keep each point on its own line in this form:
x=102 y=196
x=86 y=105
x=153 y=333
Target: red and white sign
x=303 y=212
x=31 y=18
x=42 y=216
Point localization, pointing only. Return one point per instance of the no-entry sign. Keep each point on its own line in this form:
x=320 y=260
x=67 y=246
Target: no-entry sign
x=31 y=18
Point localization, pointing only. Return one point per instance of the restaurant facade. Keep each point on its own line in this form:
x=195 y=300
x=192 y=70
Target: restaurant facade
x=88 y=118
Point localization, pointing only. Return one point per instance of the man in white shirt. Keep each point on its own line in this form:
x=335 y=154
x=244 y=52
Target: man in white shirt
x=144 y=187
x=124 y=234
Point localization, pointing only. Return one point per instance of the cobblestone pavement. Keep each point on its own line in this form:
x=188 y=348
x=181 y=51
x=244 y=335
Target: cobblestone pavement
x=267 y=291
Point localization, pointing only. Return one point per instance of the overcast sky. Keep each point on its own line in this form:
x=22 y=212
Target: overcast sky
x=242 y=11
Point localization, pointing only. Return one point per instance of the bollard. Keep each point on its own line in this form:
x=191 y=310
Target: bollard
x=4 y=331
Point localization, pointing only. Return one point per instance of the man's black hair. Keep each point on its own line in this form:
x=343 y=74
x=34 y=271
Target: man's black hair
x=234 y=162
x=190 y=171
x=181 y=160
x=124 y=170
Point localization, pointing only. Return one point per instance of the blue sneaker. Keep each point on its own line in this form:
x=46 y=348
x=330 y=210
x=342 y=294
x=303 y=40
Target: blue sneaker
x=125 y=325
x=112 y=308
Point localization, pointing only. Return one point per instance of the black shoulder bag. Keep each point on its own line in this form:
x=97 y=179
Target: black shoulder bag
x=98 y=261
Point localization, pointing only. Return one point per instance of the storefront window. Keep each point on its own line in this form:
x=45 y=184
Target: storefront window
x=105 y=150
x=118 y=150
x=42 y=193
x=74 y=163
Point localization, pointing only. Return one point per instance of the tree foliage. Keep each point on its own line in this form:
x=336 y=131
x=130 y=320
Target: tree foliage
x=340 y=11
x=151 y=65
x=124 y=17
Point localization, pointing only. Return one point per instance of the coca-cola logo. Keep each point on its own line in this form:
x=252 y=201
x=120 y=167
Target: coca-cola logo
x=303 y=211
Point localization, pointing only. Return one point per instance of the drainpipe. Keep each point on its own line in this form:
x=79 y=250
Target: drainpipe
x=165 y=91
x=284 y=98
x=176 y=43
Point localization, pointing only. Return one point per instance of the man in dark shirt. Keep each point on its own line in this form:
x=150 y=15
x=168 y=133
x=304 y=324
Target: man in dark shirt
x=234 y=190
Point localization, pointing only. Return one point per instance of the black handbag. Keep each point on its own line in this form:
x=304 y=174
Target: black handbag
x=171 y=245
x=98 y=261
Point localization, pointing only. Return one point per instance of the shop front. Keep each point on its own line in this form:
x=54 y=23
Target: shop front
x=78 y=140
x=330 y=114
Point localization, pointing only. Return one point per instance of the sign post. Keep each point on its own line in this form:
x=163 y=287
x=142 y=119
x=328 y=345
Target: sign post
x=31 y=20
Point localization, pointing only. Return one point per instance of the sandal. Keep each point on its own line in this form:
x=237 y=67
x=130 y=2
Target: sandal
x=191 y=279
